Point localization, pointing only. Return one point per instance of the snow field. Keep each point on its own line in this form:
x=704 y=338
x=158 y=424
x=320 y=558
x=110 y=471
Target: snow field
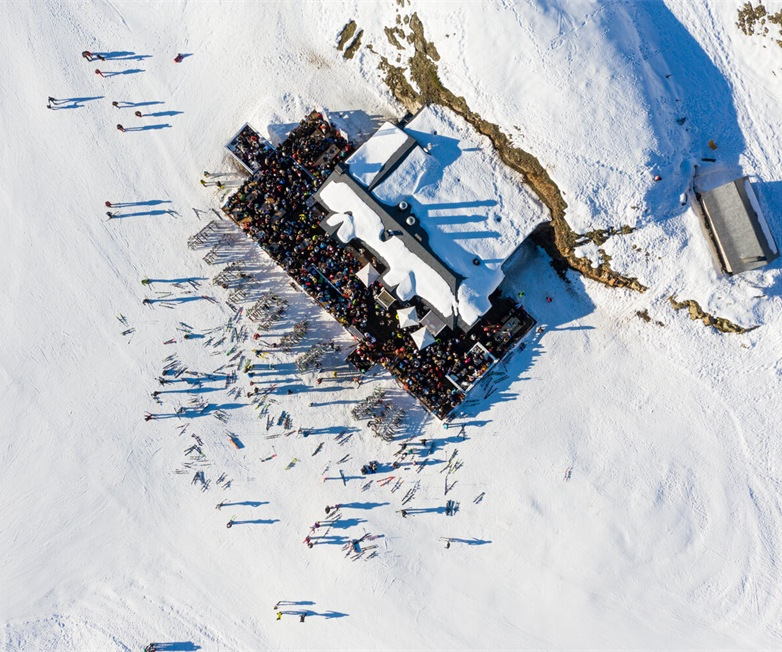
x=666 y=535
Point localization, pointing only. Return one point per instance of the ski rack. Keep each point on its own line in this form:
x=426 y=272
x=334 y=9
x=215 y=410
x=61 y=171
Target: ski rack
x=201 y=239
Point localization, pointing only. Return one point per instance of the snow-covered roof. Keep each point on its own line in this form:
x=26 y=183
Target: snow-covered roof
x=470 y=204
x=408 y=272
x=369 y=159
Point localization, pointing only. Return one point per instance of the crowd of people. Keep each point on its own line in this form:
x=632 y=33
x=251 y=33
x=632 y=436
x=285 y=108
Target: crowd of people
x=249 y=147
x=273 y=208
x=317 y=145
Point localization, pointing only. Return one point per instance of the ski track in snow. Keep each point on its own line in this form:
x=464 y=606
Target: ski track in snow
x=627 y=472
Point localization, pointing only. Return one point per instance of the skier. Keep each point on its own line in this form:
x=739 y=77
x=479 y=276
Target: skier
x=178 y=58
x=139 y=114
x=87 y=55
x=549 y=299
x=279 y=615
x=220 y=504
x=121 y=128
x=49 y=103
x=302 y=616
x=98 y=72
x=110 y=214
x=403 y=513
x=108 y=204
x=230 y=523
x=115 y=104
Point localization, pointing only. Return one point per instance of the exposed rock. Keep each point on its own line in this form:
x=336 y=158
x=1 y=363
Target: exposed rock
x=696 y=312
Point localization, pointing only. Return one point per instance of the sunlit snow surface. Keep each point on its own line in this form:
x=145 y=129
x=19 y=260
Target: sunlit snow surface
x=666 y=534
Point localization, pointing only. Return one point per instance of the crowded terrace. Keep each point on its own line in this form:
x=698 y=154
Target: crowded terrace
x=275 y=208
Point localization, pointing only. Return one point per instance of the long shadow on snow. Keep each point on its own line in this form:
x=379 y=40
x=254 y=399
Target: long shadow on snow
x=678 y=80
x=149 y=202
x=148 y=127
x=123 y=56
x=769 y=194
x=344 y=524
x=115 y=73
x=361 y=505
x=77 y=102
x=119 y=216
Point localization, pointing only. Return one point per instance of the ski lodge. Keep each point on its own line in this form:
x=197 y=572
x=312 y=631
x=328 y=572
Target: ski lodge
x=403 y=241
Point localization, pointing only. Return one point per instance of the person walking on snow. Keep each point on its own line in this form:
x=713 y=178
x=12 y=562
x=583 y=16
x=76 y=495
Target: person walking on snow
x=121 y=128
x=139 y=114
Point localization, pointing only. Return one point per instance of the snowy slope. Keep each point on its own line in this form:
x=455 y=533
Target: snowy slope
x=667 y=534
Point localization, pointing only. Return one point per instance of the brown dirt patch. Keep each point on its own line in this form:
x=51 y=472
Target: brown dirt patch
x=346 y=34
x=696 y=312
